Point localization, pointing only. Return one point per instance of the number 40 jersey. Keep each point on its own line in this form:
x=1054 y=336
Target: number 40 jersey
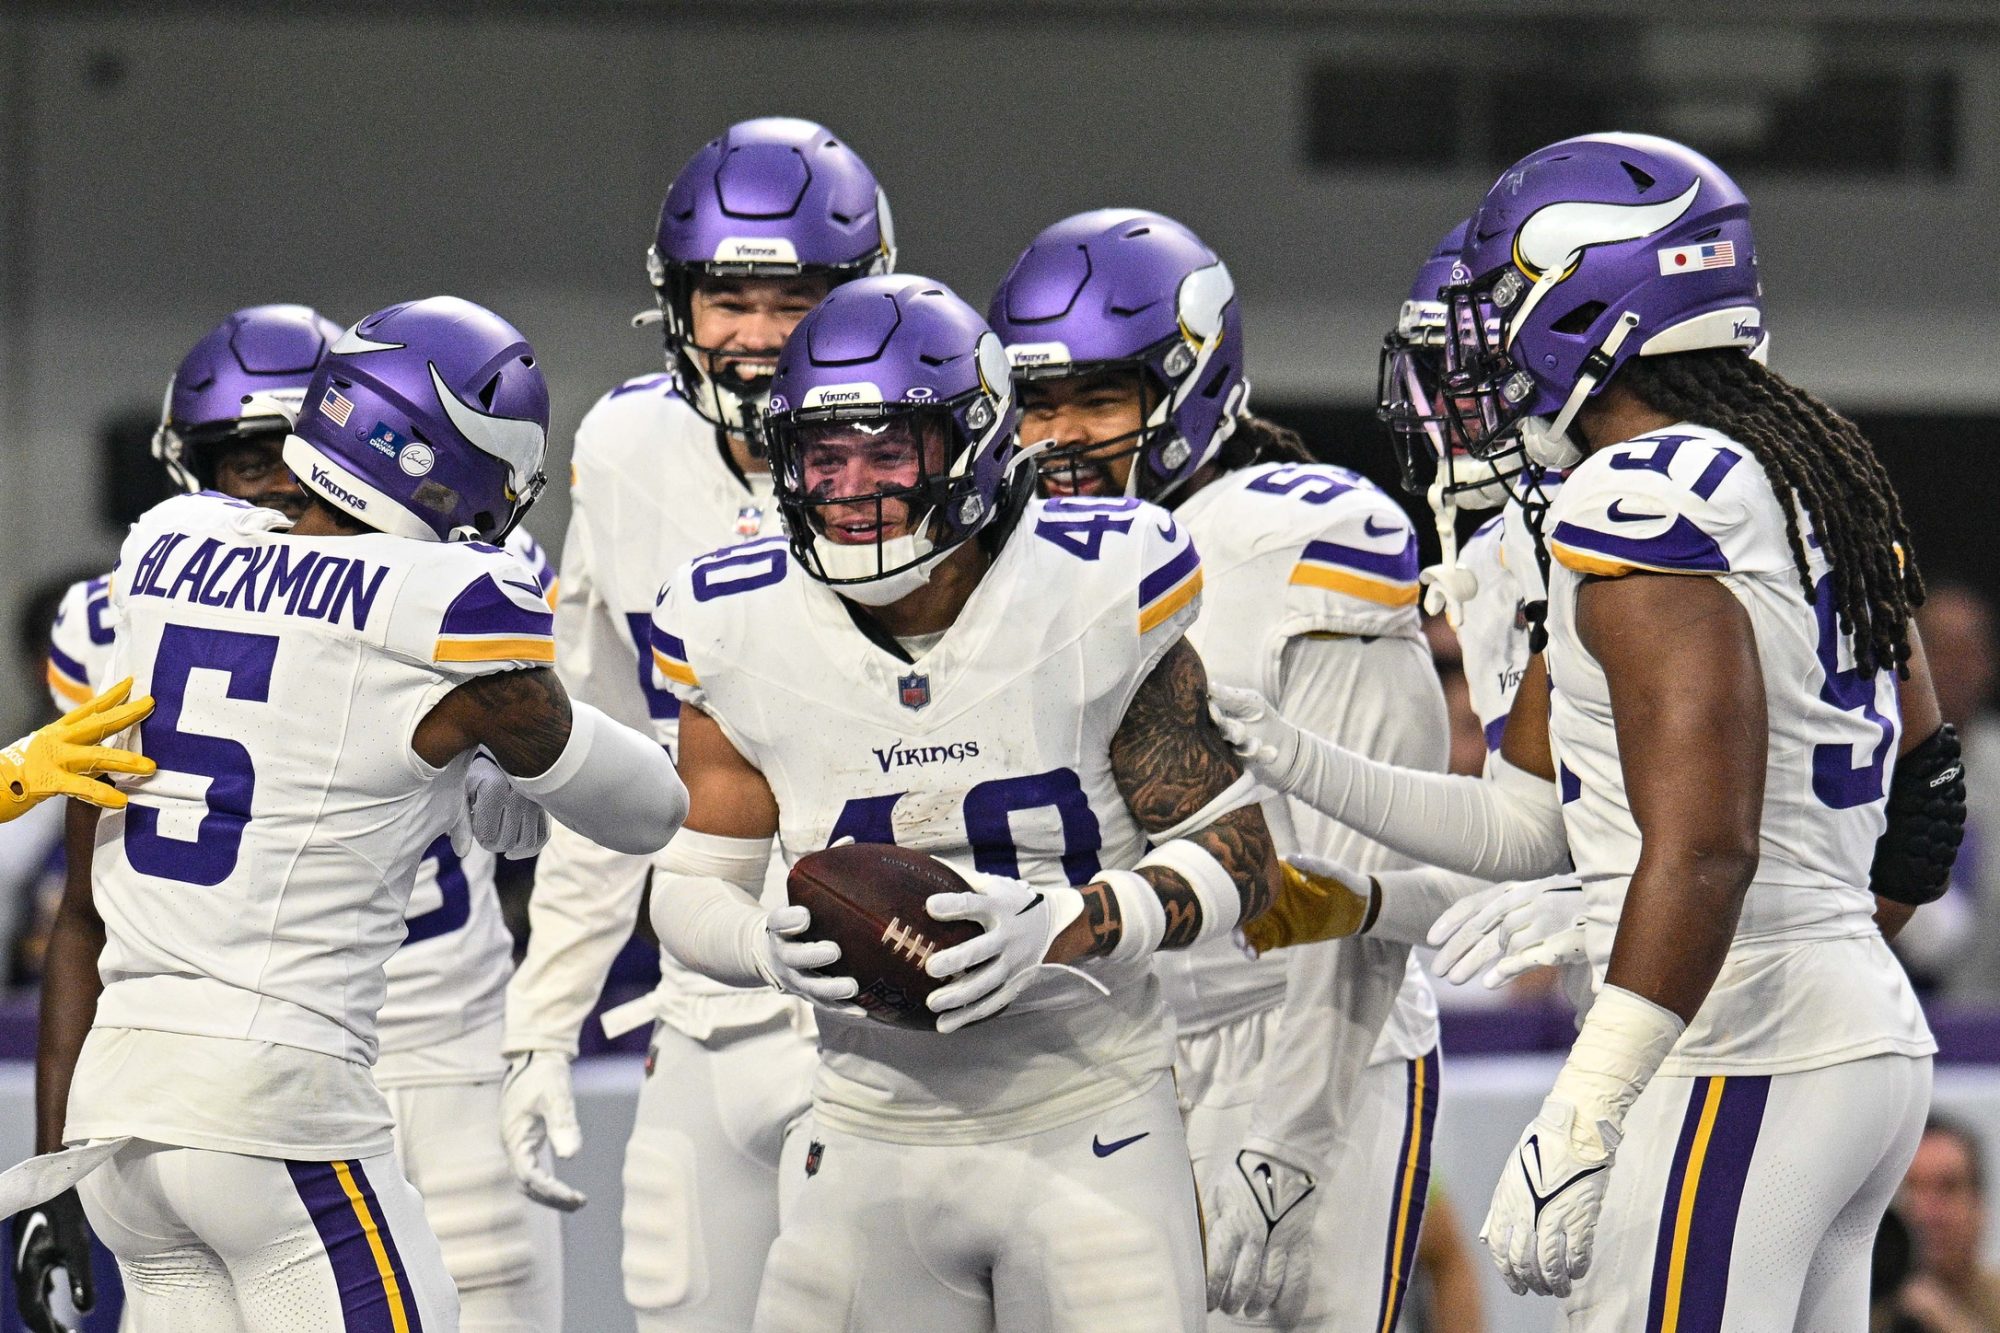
x=256 y=885
x=991 y=751
x=1808 y=981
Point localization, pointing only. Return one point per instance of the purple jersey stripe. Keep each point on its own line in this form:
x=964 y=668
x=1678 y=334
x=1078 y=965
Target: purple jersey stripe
x=483 y=608
x=1571 y=784
x=659 y=703
x=69 y=666
x=364 y=1298
x=1683 y=546
x=1711 y=1165
x=1496 y=731
x=1411 y=1189
x=1167 y=576
x=1400 y=566
x=669 y=644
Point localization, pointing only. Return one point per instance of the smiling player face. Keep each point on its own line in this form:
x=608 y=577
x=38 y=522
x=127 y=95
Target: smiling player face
x=742 y=323
x=1094 y=419
x=860 y=462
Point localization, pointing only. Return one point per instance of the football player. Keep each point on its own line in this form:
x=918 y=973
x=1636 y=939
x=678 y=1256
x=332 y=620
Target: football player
x=322 y=685
x=1737 y=720
x=1126 y=341
x=933 y=658
x=228 y=409
x=757 y=227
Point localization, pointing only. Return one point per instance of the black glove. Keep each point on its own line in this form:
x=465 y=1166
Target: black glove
x=45 y=1238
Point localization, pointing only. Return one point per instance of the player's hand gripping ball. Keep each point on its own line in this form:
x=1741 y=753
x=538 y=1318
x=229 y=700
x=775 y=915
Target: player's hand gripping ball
x=869 y=899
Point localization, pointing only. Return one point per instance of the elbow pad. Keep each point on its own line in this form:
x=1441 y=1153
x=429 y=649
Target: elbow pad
x=1914 y=856
x=611 y=784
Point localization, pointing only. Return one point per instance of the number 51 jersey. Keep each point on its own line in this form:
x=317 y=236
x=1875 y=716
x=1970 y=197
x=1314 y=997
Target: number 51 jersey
x=991 y=751
x=1808 y=981
x=255 y=886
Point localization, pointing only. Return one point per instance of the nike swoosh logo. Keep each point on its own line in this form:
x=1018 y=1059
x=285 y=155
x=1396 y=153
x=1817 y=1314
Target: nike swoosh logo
x=532 y=589
x=1616 y=515
x=1368 y=526
x=1542 y=1200
x=37 y=1222
x=1103 y=1149
x=1171 y=531
x=1030 y=907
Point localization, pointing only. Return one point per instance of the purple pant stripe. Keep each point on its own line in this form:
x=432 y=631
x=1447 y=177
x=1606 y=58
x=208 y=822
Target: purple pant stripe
x=1411 y=1190
x=364 y=1299
x=382 y=1228
x=1718 y=1196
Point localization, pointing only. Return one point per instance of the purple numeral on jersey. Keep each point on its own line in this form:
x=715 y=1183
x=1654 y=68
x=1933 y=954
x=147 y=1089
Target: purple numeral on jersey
x=988 y=826
x=1315 y=488
x=454 y=907
x=1836 y=781
x=756 y=565
x=1078 y=523
x=247 y=660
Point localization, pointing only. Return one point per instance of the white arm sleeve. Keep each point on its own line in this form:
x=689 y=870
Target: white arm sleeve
x=586 y=896
x=1507 y=825
x=1381 y=697
x=611 y=784
x=705 y=904
x=1413 y=900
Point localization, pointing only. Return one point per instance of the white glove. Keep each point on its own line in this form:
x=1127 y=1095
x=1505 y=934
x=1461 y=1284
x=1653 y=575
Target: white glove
x=1511 y=928
x=789 y=963
x=1269 y=746
x=536 y=1107
x=504 y=820
x=1543 y=1221
x=1542 y=1226
x=1260 y=1236
x=1021 y=922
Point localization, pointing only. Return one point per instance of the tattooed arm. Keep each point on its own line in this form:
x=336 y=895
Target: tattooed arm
x=1169 y=762
x=599 y=777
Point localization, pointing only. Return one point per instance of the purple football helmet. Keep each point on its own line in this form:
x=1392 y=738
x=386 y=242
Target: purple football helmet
x=1583 y=255
x=245 y=378
x=1408 y=386
x=427 y=420
x=770 y=198
x=1122 y=288
x=898 y=366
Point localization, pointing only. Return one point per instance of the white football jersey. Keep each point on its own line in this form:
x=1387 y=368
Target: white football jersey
x=1290 y=549
x=991 y=751
x=649 y=491
x=1493 y=626
x=1808 y=980
x=255 y=887
x=450 y=976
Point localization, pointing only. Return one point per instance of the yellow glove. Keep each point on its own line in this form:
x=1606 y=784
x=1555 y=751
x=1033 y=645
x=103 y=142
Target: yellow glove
x=61 y=758
x=1317 y=900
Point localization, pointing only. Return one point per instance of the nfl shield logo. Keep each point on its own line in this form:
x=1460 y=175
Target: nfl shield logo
x=914 y=690
x=748 y=519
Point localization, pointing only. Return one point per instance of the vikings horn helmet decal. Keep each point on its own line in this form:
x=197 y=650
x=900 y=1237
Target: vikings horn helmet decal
x=1582 y=255
x=1125 y=288
x=427 y=420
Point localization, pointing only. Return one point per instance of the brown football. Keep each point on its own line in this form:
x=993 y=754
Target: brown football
x=869 y=899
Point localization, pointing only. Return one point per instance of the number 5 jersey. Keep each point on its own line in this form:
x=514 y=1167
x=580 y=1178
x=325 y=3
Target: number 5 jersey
x=256 y=885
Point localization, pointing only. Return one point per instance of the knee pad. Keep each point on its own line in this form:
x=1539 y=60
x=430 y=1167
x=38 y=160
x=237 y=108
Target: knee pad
x=665 y=1262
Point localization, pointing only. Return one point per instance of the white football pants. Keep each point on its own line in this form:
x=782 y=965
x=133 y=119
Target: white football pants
x=1749 y=1204
x=701 y=1172
x=502 y=1249
x=1090 y=1227
x=212 y=1242
x=1370 y=1210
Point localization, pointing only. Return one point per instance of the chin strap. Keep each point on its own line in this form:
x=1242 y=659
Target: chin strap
x=1447 y=587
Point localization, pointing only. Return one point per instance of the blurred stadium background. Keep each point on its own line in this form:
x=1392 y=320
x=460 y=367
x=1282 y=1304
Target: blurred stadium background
x=162 y=165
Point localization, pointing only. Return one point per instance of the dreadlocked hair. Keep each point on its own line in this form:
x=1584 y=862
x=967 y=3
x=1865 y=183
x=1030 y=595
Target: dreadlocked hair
x=1261 y=440
x=1817 y=458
